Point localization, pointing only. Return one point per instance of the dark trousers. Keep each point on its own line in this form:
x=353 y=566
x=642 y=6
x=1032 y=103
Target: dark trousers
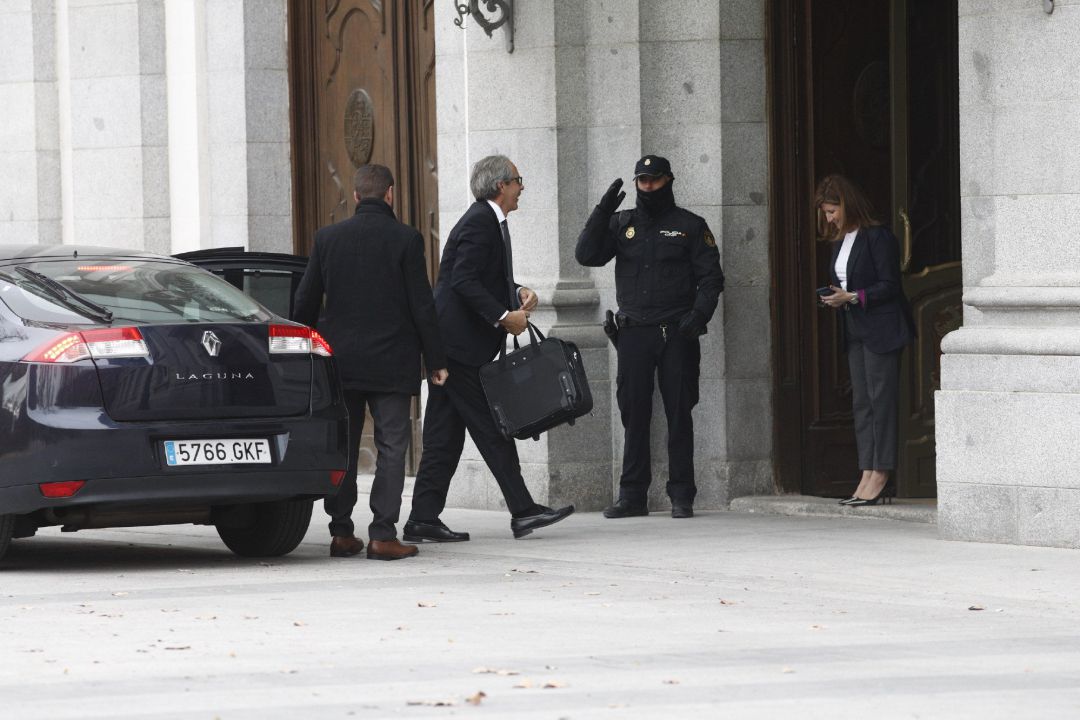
x=457 y=406
x=390 y=412
x=875 y=392
x=646 y=352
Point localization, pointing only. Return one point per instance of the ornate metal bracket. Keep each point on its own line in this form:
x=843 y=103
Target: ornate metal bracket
x=502 y=12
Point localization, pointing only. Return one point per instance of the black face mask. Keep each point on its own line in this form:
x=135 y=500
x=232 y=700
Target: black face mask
x=657 y=202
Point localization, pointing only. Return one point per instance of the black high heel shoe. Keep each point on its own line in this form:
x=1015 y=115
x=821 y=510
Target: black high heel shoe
x=848 y=501
x=885 y=497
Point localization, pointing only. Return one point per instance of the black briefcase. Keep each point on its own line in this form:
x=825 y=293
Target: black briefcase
x=536 y=387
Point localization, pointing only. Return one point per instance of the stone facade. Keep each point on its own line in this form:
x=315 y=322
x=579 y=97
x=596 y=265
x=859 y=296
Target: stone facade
x=1008 y=413
x=145 y=124
x=165 y=125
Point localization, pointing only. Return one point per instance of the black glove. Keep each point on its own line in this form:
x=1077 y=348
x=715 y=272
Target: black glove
x=692 y=325
x=612 y=198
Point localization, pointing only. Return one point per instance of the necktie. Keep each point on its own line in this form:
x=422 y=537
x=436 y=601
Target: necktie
x=511 y=285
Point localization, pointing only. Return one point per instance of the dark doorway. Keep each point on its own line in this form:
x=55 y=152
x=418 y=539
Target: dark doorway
x=870 y=90
x=362 y=79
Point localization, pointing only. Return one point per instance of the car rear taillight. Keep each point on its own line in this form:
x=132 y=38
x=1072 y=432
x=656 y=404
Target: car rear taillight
x=297 y=339
x=103 y=343
x=61 y=489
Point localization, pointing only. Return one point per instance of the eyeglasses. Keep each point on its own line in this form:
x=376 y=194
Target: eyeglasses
x=519 y=180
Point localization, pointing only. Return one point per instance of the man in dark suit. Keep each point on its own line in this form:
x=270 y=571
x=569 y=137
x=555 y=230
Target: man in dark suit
x=478 y=303
x=379 y=319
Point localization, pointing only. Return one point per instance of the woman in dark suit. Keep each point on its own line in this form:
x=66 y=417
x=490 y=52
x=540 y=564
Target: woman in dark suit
x=876 y=325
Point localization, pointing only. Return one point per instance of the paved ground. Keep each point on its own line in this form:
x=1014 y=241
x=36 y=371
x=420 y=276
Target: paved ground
x=728 y=615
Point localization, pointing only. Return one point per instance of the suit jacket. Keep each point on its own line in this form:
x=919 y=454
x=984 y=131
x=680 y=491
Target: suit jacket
x=472 y=291
x=883 y=322
x=379 y=314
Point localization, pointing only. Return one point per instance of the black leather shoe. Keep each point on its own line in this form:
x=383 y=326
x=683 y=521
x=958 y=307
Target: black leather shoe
x=524 y=525
x=431 y=532
x=624 y=508
x=682 y=511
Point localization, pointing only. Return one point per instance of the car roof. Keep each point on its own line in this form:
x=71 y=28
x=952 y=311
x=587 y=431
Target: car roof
x=35 y=252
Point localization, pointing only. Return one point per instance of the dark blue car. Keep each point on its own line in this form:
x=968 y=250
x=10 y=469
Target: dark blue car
x=137 y=389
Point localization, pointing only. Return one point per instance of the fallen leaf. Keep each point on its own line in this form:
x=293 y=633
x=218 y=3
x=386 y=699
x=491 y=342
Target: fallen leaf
x=526 y=572
x=671 y=682
x=119 y=594
x=431 y=703
x=177 y=647
x=817 y=627
x=786 y=670
x=494 y=671
x=299 y=623
x=592 y=593
x=526 y=683
x=552 y=684
x=477 y=698
x=726 y=602
x=976 y=607
x=426 y=604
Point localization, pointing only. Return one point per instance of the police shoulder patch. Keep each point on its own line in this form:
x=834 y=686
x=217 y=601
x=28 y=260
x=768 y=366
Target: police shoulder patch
x=630 y=233
x=709 y=239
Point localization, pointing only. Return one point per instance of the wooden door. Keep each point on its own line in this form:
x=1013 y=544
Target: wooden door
x=858 y=91
x=362 y=77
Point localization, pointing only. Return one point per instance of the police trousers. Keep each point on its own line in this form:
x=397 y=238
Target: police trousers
x=646 y=352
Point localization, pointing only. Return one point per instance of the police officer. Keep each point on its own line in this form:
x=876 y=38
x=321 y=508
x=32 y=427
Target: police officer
x=667 y=283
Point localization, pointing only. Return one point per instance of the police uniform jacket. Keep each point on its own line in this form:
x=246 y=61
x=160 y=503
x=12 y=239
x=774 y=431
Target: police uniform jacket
x=379 y=316
x=664 y=266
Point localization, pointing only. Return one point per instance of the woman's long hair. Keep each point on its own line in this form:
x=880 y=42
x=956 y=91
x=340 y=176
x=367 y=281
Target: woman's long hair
x=855 y=208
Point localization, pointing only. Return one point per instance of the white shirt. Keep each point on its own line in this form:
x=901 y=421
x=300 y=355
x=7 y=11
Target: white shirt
x=842 y=257
x=501 y=217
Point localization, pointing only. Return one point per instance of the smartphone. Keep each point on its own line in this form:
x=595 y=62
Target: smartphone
x=824 y=291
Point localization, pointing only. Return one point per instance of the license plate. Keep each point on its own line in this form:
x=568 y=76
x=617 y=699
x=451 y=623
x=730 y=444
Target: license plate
x=217 y=452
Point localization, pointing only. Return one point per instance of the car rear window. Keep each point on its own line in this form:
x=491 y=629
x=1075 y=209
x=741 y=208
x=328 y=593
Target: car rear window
x=136 y=291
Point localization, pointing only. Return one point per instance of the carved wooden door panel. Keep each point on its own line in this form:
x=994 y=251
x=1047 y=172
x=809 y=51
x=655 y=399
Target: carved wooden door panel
x=868 y=90
x=362 y=76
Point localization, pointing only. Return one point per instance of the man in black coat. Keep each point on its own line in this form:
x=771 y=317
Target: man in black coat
x=667 y=283
x=379 y=319
x=478 y=303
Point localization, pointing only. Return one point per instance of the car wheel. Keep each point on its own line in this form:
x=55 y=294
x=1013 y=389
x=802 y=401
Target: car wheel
x=277 y=528
x=7 y=529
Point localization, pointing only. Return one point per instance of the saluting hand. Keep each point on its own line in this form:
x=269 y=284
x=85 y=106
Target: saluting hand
x=612 y=198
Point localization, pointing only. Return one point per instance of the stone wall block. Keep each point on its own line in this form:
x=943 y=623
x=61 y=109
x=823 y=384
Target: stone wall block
x=106 y=112
x=225 y=36
x=611 y=81
x=155 y=181
x=109 y=182
x=270 y=233
x=450 y=96
x=18 y=173
x=742 y=80
x=611 y=21
x=742 y=19
x=1051 y=225
x=680 y=83
x=265 y=41
x=587 y=485
x=511 y=92
x=693 y=151
x=269 y=179
x=1035 y=146
x=749 y=419
x=747 y=323
x=745 y=166
x=977 y=513
x=1047 y=517
x=17 y=131
x=17 y=41
x=152 y=37
x=671 y=23
x=104 y=40
x=267 y=106
x=746 y=246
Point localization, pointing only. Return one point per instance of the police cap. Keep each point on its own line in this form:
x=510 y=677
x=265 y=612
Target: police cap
x=652 y=165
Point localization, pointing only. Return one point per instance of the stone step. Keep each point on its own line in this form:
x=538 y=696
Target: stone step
x=922 y=510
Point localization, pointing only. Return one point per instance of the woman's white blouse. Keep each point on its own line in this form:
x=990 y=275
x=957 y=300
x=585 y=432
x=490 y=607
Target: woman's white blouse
x=842 y=258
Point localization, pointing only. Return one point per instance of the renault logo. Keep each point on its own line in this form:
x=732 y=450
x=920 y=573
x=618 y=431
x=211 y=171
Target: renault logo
x=211 y=342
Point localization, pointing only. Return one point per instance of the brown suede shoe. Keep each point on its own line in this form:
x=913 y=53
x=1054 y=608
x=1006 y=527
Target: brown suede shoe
x=389 y=550
x=345 y=546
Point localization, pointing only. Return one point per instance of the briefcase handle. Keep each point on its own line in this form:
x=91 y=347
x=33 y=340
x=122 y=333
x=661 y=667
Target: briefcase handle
x=535 y=337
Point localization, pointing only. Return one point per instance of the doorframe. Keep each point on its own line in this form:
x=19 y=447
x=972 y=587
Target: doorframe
x=303 y=127
x=791 y=183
